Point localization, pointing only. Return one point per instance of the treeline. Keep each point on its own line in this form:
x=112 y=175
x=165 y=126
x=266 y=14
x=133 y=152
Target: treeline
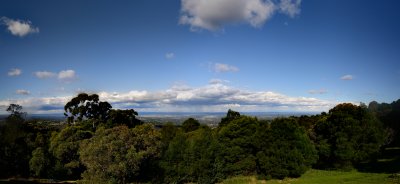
x=389 y=115
x=103 y=145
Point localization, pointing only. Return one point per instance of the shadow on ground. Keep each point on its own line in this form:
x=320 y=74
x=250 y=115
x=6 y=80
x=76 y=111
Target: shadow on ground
x=389 y=162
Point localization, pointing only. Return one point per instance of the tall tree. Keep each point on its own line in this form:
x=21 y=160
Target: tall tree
x=389 y=115
x=191 y=158
x=230 y=116
x=237 y=145
x=14 y=149
x=16 y=113
x=284 y=149
x=86 y=106
x=349 y=134
x=190 y=124
x=123 y=117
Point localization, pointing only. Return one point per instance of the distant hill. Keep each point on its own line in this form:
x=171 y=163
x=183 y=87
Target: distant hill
x=209 y=117
x=179 y=117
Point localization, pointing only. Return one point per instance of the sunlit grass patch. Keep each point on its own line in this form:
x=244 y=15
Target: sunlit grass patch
x=321 y=177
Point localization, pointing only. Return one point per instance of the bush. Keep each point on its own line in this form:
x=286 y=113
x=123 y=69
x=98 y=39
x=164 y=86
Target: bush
x=116 y=155
x=284 y=149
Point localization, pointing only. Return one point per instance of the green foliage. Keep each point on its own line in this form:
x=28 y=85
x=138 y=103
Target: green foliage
x=237 y=146
x=191 y=157
x=116 y=155
x=123 y=150
x=86 y=106
x=16 y=113
x=389 y=115
x=350 y=134
x=190 y=124
x=23 y=144
x=230 y=116
x=14 y=150
x=284 y=149
x=168 y=133
x=123 y=117
x=39 y=162
x=64 y=148
x=173 y=160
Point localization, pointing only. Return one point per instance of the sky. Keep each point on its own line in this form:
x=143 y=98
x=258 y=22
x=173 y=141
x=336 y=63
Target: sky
x=199 y=55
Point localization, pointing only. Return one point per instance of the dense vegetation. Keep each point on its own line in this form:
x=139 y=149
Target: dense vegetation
x=104 y=145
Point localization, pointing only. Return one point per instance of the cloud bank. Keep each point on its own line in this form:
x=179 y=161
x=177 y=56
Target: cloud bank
x=214 y=97
x=213 y=15
x=19 y=27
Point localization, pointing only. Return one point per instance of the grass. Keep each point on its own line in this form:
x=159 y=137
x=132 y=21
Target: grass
x=323 y=177
x=32 y=181
x=380 y=172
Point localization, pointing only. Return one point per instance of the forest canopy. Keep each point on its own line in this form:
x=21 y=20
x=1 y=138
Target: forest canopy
x=105 y=145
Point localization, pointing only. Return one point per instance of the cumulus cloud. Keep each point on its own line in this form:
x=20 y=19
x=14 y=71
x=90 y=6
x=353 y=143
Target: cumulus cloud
x=169 y=55
x=220 y=67
x=44 y=74
x=14 y=72
x=63 y=75
x=347 y=77
x=213 y=97
x=19 y=27
x=216 y=97
x=66 y=75
x=22 y=92
x=213 y=15
x=319 y=91
x=290 y=7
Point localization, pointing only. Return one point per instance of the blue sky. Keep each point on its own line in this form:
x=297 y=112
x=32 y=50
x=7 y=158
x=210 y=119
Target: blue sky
x=200 y=55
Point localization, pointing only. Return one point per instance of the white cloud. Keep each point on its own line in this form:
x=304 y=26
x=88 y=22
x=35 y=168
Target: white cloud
x=63 y=75
x=218 y=81
x=220 y=67
x=319 y=91
x=19 y=27
x=290 y=7
x=44 y=74
x=347 y=77
x=215 y=97
x=66 y=75
x=22 y=92
x=39 y=105
x=169 y=55
x=14 y=72
x=213 y=15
